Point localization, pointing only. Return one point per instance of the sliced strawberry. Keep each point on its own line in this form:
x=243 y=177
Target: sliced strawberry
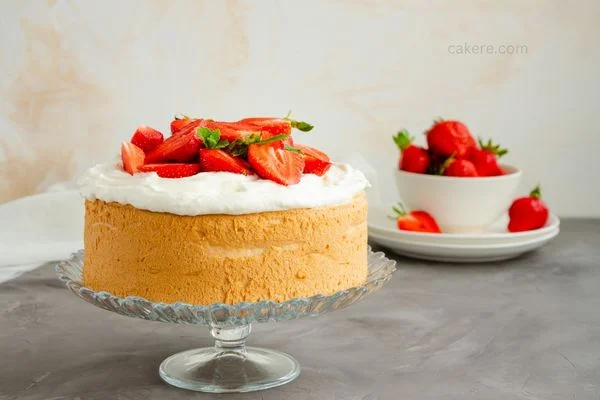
x=213 y=160
x=227 y=132
x=277 y=126
x=132 y=157
x=190 y=127
x=181 y=122
x=179 y=148
x=172 y=170
x=315 y=161
x=264 y=135
x=279 y=165
x=147 y=138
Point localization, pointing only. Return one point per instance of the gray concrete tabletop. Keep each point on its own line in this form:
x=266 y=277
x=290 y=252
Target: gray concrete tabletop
x=528 y=328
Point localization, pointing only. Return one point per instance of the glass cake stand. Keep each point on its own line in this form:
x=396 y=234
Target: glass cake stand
x=229 y=366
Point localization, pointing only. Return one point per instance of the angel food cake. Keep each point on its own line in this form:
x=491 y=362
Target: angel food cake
x=223 y=212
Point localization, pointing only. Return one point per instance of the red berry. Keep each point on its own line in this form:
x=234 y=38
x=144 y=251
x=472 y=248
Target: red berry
x=461 y=168
x=413 y=158
x=485 y=159
x=528 y=213
x=213 y=160
x=177 y=170
x=277 y=126
x=270 y=161
x=181 y=122
x=132 y=157
x=415 y=221
x=315 y=161
x=450 y=138
x=146 y=138
x=178 y=148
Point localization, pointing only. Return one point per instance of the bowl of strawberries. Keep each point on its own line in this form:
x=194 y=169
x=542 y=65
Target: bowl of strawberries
x=457 y=179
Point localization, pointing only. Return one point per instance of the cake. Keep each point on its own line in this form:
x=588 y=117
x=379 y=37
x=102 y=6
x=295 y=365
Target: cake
x=223 y=212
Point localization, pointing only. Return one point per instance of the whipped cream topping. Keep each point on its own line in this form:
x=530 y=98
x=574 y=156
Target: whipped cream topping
x=219 y=192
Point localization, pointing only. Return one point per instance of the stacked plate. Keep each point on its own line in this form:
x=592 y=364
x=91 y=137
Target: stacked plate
x=495 y=244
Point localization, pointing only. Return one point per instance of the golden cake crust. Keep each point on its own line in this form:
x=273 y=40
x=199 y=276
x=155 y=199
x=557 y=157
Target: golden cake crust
x=206 y=259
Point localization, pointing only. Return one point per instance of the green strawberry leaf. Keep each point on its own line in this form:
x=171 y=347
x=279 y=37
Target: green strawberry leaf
x=300 y=125
x=212 y=138
x=403 y=139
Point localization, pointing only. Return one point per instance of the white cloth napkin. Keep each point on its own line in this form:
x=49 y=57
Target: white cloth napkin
x=40 y=228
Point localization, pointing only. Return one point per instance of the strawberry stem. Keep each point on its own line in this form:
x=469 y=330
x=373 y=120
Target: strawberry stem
x=492 y=148
x=403 y=139
x=275 y=138
x=293 y=149
x=300 y=125
x=399 y=210
x=181 y=116
x=536 y=193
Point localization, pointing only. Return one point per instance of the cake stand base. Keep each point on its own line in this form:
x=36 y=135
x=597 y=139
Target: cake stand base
x=230 y=366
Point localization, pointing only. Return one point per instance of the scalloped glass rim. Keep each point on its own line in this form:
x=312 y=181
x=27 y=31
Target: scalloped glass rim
x=70 y=272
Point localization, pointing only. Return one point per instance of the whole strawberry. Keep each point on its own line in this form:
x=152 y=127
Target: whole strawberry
x=528 y=213
x=450 y=138
x=413 y=158
x=460 y=168
x=485 y=159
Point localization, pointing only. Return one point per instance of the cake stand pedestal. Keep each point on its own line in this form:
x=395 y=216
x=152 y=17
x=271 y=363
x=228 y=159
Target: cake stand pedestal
x=229 y=366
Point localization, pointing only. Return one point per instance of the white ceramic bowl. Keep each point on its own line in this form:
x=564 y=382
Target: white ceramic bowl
x=459 y=205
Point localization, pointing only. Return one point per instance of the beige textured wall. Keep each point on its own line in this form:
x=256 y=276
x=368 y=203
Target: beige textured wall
x=78 y=76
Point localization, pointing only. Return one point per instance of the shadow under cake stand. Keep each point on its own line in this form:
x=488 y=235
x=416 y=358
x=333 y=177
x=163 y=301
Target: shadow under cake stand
x=229 y=366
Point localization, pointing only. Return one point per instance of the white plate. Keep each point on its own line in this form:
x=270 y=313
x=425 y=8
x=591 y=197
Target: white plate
x=494 y=245
x=381 y=225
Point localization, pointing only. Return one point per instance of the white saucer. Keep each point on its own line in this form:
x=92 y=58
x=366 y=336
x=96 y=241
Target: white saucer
x=493 y=245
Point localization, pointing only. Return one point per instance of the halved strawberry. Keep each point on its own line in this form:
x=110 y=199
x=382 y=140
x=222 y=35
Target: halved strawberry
x=264 y=135
x=178 y=170
x=147 y=138
x=279 y=165
x=179 y=148
x=315 y=161
x=214 y=160
x=190 y=127
x=227 y=132
x=180 y=122
x=415 y=221
x=277 y=126
x=132 y=157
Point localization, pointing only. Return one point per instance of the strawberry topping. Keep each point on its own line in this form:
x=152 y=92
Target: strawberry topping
x=132 y=157
x=279 y=165
x=178 y=170
x=315 y=161
x=180 y=122
x=214 y=160
x=179 y=148
x=147 y=138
